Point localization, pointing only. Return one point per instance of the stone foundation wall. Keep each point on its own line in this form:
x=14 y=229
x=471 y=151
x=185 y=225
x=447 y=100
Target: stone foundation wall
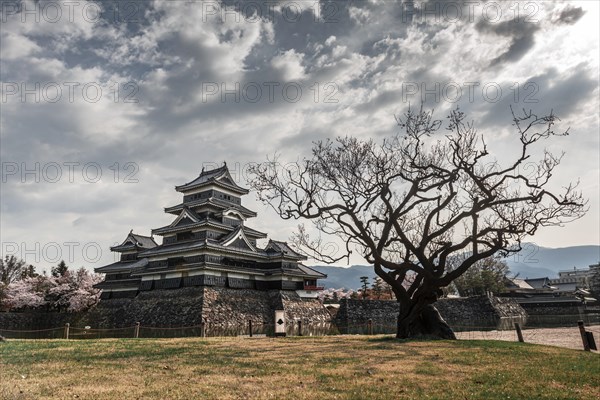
x=481 y=311
x=33 y=320
x=545 y=315
x=353 y=315
x=461 y=313
x=314 y=317
x=227 y=311
x=224 y=311
x=155 y=308
x=543 y=309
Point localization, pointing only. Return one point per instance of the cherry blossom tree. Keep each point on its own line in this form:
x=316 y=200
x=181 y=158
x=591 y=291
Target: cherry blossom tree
x=25 y=294
x=71 y=291
x=85 y=296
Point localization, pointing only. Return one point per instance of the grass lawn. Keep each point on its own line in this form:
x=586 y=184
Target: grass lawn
x=335 y=367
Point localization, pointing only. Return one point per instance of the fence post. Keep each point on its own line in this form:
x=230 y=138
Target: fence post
x=584 y=339
x=202 y=329
x=591 y=340
x=299 y=327
x=370 y=326
x=250 y=327
x=67 y=326
x=519 y=333
x=136 y=331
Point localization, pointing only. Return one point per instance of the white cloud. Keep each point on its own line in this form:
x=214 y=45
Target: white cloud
x=15 y=46
x=368 y=57
x=290 y=64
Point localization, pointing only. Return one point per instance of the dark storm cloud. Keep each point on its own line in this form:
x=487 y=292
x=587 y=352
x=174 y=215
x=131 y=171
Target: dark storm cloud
x=304 y=33
x=521 y=32
x=564 y=93
x=570 y=15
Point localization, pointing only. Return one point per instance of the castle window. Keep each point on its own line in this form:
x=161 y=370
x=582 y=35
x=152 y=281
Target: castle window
x=172 y=262
x=185 y=236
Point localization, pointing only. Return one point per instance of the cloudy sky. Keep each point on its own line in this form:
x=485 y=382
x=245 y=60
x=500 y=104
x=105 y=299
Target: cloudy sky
x=106 y=106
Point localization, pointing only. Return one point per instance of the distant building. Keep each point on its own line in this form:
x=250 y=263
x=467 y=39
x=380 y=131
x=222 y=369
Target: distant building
x=567 y=292
x=569 y=281
x=518 y=286
x=540 y=283
x=207 y=244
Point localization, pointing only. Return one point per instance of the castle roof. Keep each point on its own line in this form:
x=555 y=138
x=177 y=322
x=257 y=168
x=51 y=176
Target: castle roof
x=135 y=242
x=122 y=266
x=237 y=235
x=299 y=271
x=219 y=176
x=211 y=201
x=284 y=249
x=311 y=272
x=184 y=224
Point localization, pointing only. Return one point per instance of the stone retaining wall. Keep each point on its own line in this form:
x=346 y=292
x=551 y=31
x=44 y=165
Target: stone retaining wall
x=353 y=315
x=550 y=315
x=224 y=311
x=480 y=311
x=156 y=308
x=315 y=318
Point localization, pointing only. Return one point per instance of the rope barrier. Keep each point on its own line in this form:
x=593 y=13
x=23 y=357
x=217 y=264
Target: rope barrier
x=491 y=331
x=457 y=329
x=169 y=327
x=30 y=331
x=102 y=330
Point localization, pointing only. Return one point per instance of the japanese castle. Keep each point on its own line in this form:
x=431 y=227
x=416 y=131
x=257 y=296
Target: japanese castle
x=207 y=244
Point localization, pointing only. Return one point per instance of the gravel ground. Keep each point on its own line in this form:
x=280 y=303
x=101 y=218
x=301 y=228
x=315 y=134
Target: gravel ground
x=560 y=337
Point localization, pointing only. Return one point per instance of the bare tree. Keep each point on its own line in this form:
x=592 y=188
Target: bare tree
x=377 y=288
x=11 y=269
x=364 y=280
x=419 y=198
x=487 y=275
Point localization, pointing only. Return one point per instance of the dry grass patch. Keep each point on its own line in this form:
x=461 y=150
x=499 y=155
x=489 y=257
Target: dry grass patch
x=342 y=367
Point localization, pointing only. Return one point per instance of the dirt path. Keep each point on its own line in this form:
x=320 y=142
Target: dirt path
x=560 y=337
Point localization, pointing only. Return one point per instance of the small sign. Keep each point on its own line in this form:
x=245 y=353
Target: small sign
x=279 y=323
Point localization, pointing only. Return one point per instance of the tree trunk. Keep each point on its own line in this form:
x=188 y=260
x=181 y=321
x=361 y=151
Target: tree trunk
x=426 y=322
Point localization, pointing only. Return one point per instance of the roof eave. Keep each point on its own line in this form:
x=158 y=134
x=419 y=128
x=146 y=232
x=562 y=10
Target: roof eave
x=188 y=187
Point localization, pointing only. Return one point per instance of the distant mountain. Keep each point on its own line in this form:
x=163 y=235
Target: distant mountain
x=537 y=262
x=341 y=277
x=531 y=262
